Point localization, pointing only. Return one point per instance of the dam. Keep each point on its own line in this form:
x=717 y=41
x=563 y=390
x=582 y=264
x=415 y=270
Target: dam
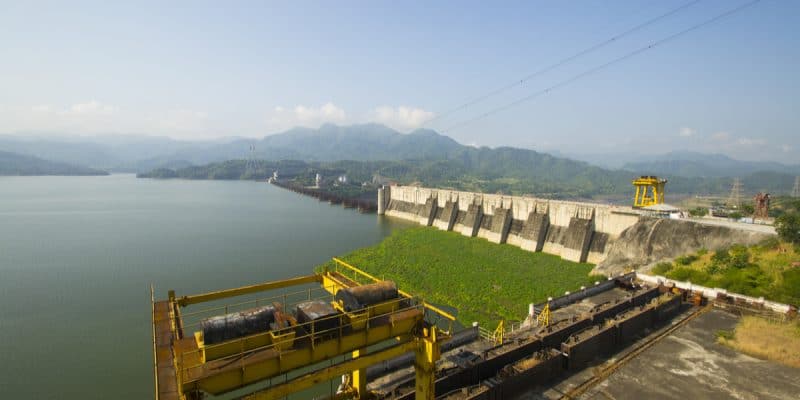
x=614 y=238
x=575 y=231
x=272 y=339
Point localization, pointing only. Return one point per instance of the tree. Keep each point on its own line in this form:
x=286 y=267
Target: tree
x=788 y=227
x=698 y=212
x=748 y=209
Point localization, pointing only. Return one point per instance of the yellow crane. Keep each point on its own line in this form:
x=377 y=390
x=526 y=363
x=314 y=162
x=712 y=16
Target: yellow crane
x=190 y=364
x=649 y=191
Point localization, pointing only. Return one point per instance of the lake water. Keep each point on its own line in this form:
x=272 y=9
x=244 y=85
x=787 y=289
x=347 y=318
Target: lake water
x=77 y=256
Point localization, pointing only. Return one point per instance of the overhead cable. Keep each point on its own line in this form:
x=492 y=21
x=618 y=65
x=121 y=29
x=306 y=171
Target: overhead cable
x=602 y=66
x=564 y=61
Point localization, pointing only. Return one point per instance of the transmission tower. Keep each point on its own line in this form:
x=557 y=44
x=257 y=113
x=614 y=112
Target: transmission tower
x=250 y=165
x=796 y=190
x=735 y=198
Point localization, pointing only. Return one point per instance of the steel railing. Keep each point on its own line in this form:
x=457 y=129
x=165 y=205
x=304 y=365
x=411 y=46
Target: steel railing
x=403 y=304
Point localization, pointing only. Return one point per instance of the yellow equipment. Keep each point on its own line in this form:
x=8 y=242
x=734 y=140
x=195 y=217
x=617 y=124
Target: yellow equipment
x=300 y=354
x=499 y=332
x=649 y=191
x=544 y=317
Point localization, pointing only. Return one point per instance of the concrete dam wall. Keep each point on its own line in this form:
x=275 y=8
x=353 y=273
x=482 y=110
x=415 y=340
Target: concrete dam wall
x=580 y=232
x=616 y=239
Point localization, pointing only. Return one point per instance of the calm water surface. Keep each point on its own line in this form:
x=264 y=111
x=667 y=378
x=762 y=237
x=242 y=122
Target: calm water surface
x=77 y=256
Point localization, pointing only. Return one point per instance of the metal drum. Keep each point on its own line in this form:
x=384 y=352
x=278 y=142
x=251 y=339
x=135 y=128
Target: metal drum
x=359 y=297
x=317 y=315
x=235 y=325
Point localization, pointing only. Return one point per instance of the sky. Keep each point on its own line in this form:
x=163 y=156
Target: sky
x=200 y=70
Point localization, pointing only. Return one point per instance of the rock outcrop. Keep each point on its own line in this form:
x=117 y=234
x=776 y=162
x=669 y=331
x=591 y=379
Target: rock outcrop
x=653 y=240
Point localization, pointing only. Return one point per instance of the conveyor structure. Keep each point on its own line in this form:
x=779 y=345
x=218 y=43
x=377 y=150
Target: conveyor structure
x=336 y=324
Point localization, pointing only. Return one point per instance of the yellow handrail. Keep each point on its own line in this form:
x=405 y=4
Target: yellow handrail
x=544 y=317
x=499 y=332
x=427 y=305
x=261 y=287
x=155 y=353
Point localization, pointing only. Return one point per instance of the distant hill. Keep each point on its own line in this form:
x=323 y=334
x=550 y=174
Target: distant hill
x=367 y=142
x=420 y=156
x=423 y=155
x=120 y=153
x=505 y=170
x=692 y=164
x=18 y=164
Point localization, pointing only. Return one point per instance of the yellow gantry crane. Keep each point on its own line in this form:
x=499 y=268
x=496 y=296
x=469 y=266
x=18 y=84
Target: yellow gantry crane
x=649 y=191
x=196 y=355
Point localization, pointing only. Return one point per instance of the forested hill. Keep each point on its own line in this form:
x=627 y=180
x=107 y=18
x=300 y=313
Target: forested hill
x=691 y=164
x=510 y=171
x=17 y=164
x=504 y=170
x=366 y=142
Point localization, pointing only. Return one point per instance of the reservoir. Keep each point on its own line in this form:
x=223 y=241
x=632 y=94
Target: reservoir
x=78 y=255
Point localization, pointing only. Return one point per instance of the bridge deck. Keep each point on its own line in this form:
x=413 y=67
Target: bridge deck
x=167 y=384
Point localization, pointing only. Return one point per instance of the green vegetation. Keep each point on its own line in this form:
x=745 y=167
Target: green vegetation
x=483 y=280
x=781 y=205
x=736 y=215
x=698 y=212
x=18 y=164
x=501 y=170
x=511 y=171
x=787 y=223
x=298 y=173
x=770 y=269
x=788 y=227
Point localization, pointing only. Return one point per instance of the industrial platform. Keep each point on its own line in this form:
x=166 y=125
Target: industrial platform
x=384 y=343
x=230 y=347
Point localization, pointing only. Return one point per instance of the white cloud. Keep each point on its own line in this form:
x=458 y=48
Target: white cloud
x=786 y=148
x=749 y=142
x=402 y=117
x=721 y=136
x=90 y=117
x=97 y=118
x=92 y=107
x=308 y=116
x=94 y=117
x=686 y=132
x=42 y=108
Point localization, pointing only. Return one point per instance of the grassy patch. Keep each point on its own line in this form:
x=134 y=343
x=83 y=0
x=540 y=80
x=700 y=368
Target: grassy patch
x=771 y=270
x=758 y=337
x=483 y=280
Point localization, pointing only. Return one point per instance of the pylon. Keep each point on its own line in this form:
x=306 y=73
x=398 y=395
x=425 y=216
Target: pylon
x=735 y=198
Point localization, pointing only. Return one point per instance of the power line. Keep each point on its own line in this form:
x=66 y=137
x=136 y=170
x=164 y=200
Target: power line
x=603 y=66
x=735 y=198
x=551 y=67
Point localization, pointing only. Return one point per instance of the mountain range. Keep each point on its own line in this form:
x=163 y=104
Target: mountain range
x=19 y=164
x=693 y=164
x=437 y=156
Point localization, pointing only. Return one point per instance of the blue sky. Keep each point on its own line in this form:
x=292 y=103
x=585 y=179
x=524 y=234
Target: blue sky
x=200 y=70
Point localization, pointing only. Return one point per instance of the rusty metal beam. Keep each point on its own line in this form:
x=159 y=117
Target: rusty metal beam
x=312 y=378
x=222 y=294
